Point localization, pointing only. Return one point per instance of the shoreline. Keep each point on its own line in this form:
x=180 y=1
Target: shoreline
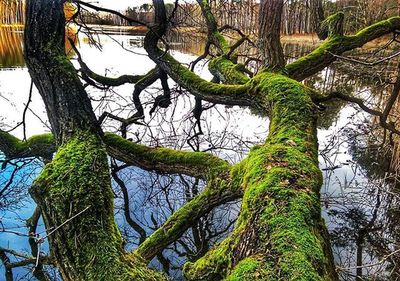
x=307 y=38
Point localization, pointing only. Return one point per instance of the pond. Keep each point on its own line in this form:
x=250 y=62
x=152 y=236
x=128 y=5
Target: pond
x=359 y=196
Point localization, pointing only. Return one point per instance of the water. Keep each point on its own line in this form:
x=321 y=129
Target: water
x=359 y=197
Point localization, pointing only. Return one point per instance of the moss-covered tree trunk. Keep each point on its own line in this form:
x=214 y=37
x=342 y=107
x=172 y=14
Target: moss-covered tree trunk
x=280 y=234
x=74 y=190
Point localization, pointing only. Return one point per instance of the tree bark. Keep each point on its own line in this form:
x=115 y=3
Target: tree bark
x=67 y=104
x=270 y=33
x=317 y=14
x=74 y=190
x=279 y=234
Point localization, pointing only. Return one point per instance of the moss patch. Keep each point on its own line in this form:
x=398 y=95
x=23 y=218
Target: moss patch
x=90 y=245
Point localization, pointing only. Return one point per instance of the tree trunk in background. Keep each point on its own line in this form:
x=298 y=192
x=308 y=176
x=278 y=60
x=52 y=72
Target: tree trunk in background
x=398 y=7
x=317 y=14
x=270 y=32
x=67 y=104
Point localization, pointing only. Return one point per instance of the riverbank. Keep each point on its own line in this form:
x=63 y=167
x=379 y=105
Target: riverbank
x=306 y=39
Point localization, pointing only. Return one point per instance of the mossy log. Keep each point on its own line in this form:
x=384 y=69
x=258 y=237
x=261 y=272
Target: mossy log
x=280 y=234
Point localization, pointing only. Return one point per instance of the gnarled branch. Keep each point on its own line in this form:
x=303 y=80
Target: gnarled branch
x=163 y=160
x=337 y=44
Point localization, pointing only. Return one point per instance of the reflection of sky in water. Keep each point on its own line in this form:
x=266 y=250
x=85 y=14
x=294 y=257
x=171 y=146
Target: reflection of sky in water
x=112 y=61
x=15 y=219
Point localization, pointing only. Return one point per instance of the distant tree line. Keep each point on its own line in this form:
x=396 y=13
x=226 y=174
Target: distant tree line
x=143 y=13
x=299 y=16
x=361 y=13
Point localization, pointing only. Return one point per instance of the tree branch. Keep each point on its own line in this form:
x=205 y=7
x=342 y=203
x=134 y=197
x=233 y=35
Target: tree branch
x=382 y=115
x=6 y=262
x=100 y=9
x=107 y=81
x=337 y=44
x=224 y=67
x=140 y=230
x=165 y=160
x=212 y=92
x=36 y=146
x=216 y=193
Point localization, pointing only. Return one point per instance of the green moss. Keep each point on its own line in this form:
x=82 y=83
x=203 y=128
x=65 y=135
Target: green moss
x=217 y=191
x=198 y=86
x=227 y=71
x=203 y=163
x=40 y=140
x=316 y=59
x=331 y=26
x=337 y=43
x=280 y=214
x=252 y=268
x=213 y=266
x=222 y=43
x=36 y=146
x=9 y=144
x=380 y=28
x=90 y=245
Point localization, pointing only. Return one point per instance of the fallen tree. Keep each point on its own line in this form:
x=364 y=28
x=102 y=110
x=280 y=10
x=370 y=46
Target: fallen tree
x=279 y=234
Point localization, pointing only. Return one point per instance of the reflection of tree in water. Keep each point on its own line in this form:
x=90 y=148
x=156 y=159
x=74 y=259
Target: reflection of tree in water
x=11 y=47
x=11 y=20
x=364 y=210
x=362 y=217
x=154 y=200
x=12 y=12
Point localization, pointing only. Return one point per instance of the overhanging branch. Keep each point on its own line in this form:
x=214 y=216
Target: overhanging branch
x=335 y=45
x=163 y=160
x=208 y=91
x=106 y=81
x=37 y=146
